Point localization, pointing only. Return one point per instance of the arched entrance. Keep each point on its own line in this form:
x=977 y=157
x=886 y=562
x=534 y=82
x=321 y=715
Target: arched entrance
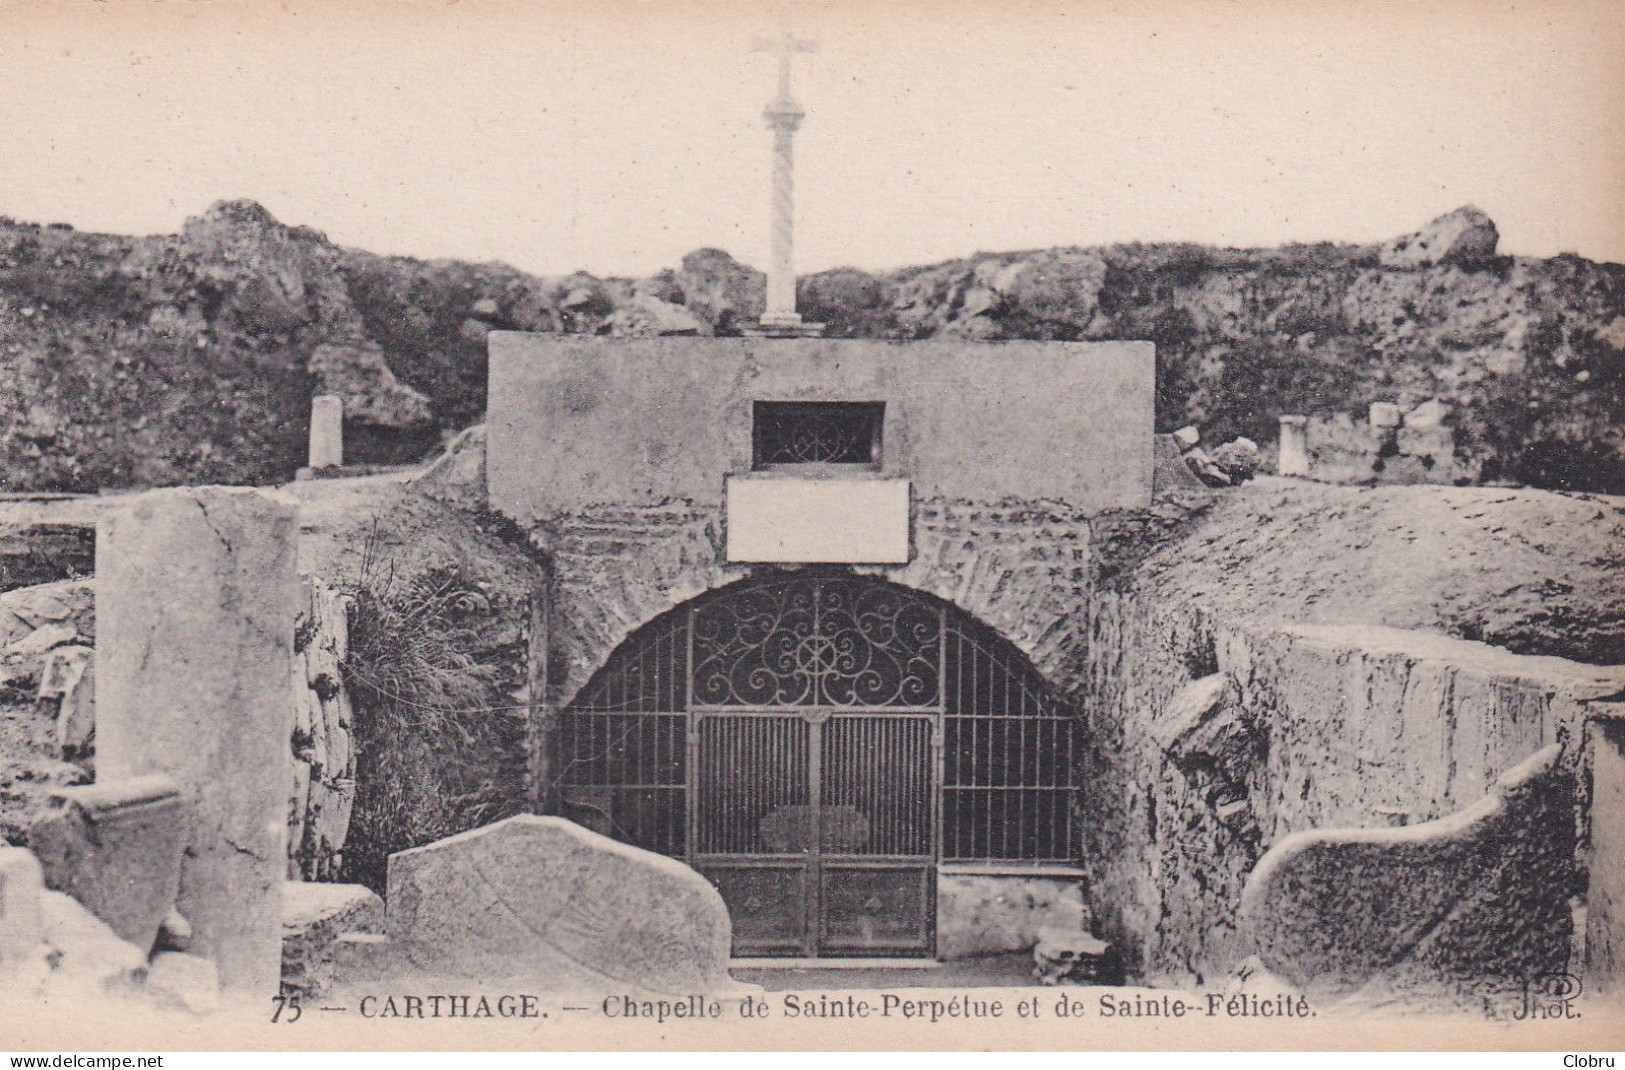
x=818 y=745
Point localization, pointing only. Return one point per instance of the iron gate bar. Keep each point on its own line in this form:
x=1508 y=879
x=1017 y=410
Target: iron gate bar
x=995 y=788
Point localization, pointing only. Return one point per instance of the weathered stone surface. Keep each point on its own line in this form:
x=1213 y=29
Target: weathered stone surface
x=984 y=914
x=360 y=376
x=67 y=691
x=459 y=472
x=646 y=316
x=326 y=431
x=1473 y=901
x=195 y=601
x=323 y=784
x=1465 y=236
x=314 y=917
x=116 y=847
x=67 y=602
x=1238 y=459
x=546 y=901
x=1359 y=722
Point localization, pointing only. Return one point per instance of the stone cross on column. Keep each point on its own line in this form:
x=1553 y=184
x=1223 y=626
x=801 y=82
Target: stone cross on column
x=783 y=117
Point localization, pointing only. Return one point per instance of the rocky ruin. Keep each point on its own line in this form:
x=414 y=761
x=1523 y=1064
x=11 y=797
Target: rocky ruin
x=193 y=357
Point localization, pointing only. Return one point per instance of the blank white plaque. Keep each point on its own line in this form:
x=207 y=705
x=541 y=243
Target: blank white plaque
x=779 y=520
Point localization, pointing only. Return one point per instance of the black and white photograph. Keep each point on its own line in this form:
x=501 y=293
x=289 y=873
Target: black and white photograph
x=1080 y=525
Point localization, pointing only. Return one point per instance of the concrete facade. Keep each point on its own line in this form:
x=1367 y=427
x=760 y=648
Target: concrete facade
x=617 y=457
x=576 y=423
x=614 y=455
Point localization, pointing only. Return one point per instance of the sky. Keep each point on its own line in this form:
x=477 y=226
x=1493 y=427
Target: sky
x=614 y=137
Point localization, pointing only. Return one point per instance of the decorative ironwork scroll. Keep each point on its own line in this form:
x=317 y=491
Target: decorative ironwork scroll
x=843 y=642
x=828 y=432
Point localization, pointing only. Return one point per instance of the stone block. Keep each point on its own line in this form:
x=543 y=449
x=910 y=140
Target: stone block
x=1292 y=457
x=326 y=431
x=1187 y=437
x=314 y=917
x=116 y=847
x=1469 y=904
x=196 y=592
x=1385 y=415
x=67 y=690
x=545 y=901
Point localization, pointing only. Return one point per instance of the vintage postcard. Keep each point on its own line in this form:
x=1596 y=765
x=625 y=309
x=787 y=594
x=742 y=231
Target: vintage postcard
x=1067 y=525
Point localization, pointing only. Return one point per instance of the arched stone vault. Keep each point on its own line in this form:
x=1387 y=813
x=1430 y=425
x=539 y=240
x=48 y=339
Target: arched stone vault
x=1021 y=568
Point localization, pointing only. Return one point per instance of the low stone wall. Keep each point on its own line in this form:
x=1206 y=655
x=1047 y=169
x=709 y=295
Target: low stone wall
x=38 y=553
x=1209 y=743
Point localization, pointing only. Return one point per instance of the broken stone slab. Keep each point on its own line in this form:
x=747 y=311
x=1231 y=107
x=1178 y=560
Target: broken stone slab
x=67 y=690
x=42 y=639
x=1187 y=437
x=116 y=847
x=545 y=901
x=314 y=917
x=1474 y=902
x=1169 y=469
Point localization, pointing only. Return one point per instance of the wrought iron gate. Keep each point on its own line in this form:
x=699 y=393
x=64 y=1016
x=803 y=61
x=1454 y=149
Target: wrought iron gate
x=816 y=745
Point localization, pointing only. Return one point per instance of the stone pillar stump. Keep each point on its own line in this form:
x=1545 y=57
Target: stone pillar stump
x=326 y=431
x=1294 y=447
x=195 y=598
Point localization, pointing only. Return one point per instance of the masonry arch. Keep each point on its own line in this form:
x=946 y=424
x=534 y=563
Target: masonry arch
x=820 y=744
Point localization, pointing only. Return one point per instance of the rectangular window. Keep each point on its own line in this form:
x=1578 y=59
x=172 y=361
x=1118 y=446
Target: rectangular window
x=816 y=432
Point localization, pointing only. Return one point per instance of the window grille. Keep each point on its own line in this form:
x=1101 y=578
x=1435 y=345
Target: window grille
x=816 y=432
x=709 y=700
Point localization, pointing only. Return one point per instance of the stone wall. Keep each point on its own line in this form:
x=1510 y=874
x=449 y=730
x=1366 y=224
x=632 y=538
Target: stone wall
x=1210 y=742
